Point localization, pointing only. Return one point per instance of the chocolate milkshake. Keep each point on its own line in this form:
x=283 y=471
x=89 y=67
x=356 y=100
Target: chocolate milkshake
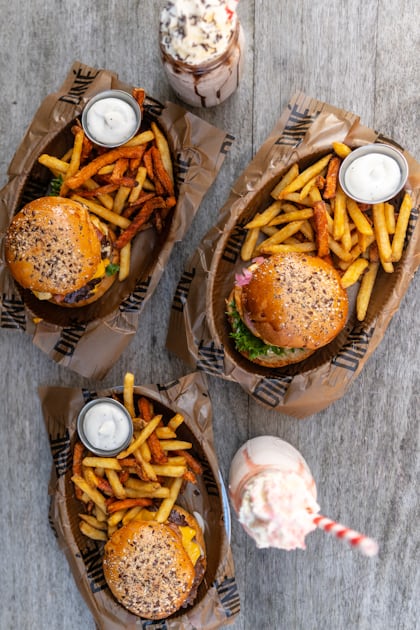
x=202 y=48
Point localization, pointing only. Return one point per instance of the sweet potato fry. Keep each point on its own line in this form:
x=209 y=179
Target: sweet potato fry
x=133 y=207
x=139 y=95
x=321 y=228
x=124 y=504
x=191 y=461
x=77 y=465
x=141 y=218
x=160 y=172
x=331 y=178
x=158 y=454
x=102 y=160
x=120 y=168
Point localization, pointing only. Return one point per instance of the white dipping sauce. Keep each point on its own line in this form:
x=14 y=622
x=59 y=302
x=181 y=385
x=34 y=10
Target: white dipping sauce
x=105 y=426
x=373 y=176
x=111 y=120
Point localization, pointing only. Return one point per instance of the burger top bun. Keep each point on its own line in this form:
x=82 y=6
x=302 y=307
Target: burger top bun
x=295 y=301
x=52 y=246
x=147 y=569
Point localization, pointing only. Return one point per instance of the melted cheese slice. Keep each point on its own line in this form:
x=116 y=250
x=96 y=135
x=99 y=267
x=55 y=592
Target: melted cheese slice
x=192 y=548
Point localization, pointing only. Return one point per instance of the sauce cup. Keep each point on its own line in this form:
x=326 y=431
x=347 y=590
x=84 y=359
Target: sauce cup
x=373 y=173
x=105 y=427
x=111 y=118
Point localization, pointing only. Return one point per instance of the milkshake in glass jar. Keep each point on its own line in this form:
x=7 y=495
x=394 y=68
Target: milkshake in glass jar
x=273 y=493
x=202 y=48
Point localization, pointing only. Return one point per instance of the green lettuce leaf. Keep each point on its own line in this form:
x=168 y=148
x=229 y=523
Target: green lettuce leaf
x=245 y=341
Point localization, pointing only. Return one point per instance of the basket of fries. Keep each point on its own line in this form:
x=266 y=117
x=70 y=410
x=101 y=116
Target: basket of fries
x=134 y=192
x=289 y=201
x=170 y=462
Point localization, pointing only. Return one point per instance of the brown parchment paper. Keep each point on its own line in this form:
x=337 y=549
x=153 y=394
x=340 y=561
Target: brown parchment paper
x=217 y=602
x=198 y=330
x=89 y=340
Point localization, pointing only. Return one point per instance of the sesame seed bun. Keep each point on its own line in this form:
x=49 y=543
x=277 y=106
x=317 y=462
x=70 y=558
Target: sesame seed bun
x=53 y=248
x=147 y=568
x=292 y=301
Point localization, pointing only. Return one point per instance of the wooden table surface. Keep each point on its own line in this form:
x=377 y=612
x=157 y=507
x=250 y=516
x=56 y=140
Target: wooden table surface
x=362 y=450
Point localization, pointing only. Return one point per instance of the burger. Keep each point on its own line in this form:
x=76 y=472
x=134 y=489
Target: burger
x=58 y=250
x=284 y=307
x=154 y=569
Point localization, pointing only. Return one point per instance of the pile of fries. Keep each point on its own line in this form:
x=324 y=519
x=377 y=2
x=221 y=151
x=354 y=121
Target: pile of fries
x=131 y=187
x=311 y=213
x=142 y=482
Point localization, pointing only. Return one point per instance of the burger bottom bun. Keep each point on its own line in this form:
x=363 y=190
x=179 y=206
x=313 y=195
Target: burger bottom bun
x=147 y=569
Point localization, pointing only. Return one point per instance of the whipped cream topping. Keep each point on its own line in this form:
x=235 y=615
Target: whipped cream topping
x=195 y=31
x=277 y=509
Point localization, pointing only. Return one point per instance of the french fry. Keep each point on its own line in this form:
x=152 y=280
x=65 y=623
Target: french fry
x=166 y=470
x=92 y=532
x=167 y=504
x=265 y=217
x=341 y=149
x=176 y=421
x=381 y=234
x=338 y=250
x=309 y=246
x=358 y=217
x=117 y=517
x=401 y=227
x=295 y=215
x=308 y=187
x=389 y=213
x=159 y=493
x=120 y=199
x=339 y=213
x=305 y=176
x=93 y=522
x=131 y=513
x=353 y=273
x=103 y=212
x=76 y=154
x=92 y=493
x=142 y=138
x=175 y=445
x=125 y=258
x=250 y=243
x=165 y=433
x=103 y=462
x=128 y=393
x=365 y=290
x=140 y=177
x=281 y=235
x=142 y=437
x=291 y=174
x=127 y=503
x=53 y=163
x=115 y=484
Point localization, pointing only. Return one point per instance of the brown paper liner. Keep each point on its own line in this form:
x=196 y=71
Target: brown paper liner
x=198 y=329
x=217 y=602
x=67 y=334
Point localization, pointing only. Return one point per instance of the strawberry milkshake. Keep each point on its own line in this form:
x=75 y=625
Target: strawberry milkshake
x=273 y=493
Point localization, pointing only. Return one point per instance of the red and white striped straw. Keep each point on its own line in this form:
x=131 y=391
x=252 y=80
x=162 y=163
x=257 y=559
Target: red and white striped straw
x=365 y=545
x=231 y=6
